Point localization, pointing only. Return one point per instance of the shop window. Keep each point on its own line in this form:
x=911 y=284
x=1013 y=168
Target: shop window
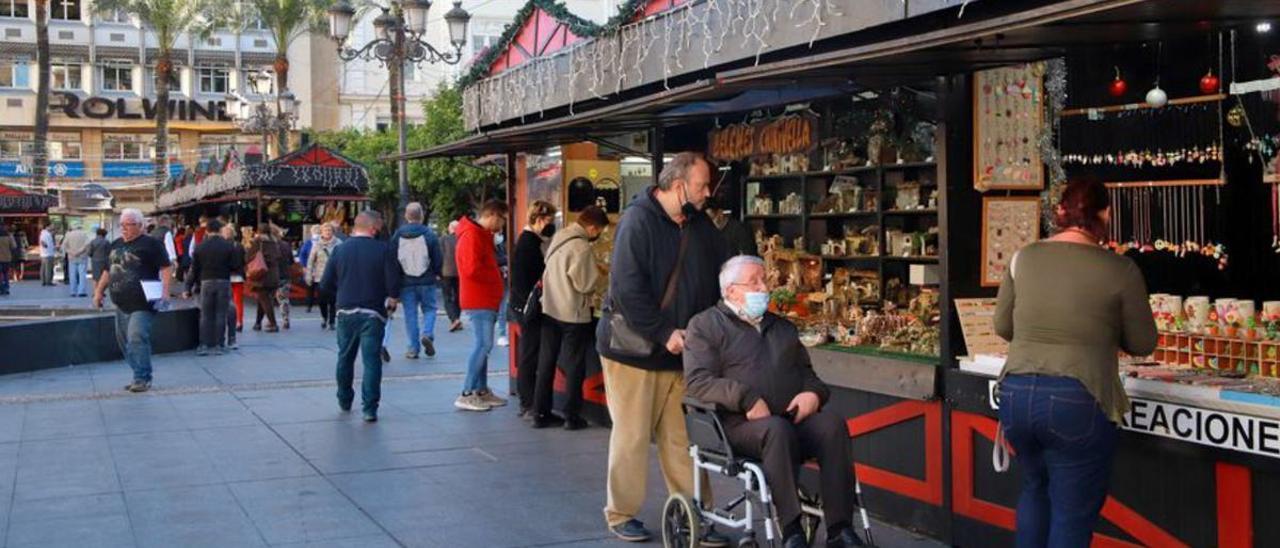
x=16 y=150
x=14 y=8
x=59 y=150
x=65 y=10
x=249 y=76
x=174 y=151
x=175 y=84
x=117 y=78
x=65 y=76
x=14 y=73
x=482 y=42
x=116 y=16
x=121 y=151
x=214 y=80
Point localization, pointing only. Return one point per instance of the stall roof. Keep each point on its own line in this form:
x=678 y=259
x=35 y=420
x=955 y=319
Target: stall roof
x=314 y=172
x=884 y=58
x=14 y=201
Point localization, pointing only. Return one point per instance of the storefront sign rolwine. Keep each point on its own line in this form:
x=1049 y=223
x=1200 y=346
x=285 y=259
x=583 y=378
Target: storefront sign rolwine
x=787 y=135
x=103 y=108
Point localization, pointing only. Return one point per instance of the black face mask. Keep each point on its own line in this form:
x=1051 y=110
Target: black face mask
x=549 y=230
x=687 y=208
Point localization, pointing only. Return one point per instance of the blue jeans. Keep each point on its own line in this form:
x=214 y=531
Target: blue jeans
x=78 y=277
x=1064 y=445
x=133 y=334
x=412 y=297
x=478 y=364
x=502 y=314
x=360 y=333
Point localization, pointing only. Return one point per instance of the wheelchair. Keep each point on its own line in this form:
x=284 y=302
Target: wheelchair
x=683 y=518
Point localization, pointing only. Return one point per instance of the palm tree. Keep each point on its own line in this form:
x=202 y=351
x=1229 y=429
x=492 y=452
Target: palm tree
x=167 y=20
x=40 y=149
x=286 y=20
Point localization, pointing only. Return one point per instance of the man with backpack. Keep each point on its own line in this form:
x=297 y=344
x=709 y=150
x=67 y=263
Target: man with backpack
x=418 y=251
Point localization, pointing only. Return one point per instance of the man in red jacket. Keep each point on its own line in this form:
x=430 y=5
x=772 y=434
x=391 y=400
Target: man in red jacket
x=481 y=289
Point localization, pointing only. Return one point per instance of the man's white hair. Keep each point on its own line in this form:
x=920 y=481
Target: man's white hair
x=413 y=212
x=733 y=268
x=134 y=214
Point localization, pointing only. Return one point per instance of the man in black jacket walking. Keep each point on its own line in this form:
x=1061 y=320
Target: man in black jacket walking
x=211 y=266
x=666 y=256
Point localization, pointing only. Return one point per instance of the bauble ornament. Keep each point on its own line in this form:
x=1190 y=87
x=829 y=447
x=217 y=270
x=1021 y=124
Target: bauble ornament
x=1157 y=98
x=1118 y=86
x=1209 y=83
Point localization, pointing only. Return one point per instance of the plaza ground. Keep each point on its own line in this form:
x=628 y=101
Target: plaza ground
x=250 y=449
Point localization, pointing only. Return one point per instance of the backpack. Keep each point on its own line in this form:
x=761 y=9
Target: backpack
x=413 y=255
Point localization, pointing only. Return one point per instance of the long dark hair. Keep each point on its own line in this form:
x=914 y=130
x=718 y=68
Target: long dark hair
x=1081 y=207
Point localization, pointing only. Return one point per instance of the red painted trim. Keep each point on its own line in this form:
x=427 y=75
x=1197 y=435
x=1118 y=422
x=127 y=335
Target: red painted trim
x=930 y=488
x=1235 y=506
x=1133 y=523
x=963 y=502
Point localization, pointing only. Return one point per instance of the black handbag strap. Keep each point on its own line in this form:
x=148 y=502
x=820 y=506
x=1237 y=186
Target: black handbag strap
x=674 y=278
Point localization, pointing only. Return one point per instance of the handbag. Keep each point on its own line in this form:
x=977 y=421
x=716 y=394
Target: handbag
x=624 y=340
x=257 y=268
x=532 y=307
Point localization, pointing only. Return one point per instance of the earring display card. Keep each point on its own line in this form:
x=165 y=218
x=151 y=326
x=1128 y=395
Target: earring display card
x=1008 y=116
x=1007 y=225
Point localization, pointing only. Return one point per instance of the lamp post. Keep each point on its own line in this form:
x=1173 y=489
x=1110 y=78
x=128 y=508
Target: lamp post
x=258 y=116
x=400 y=39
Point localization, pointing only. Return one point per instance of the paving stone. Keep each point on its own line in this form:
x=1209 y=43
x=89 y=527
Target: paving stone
x=190 y=517
x=64 y=468
x=93 y=520
x=300 y=510
x=162 y=460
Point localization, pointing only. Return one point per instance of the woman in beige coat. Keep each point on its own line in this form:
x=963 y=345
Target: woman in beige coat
x=567 y=287
x=316 y=263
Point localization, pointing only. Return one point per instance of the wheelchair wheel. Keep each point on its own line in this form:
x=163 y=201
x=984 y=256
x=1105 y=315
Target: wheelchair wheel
x=681 y=523
x=748 y=542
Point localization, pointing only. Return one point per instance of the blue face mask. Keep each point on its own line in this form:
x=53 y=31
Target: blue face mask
x=755 y=303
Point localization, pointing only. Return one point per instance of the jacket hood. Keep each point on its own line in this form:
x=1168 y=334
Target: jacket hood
x=413 y=230
x=467 y=224
x=562 y=237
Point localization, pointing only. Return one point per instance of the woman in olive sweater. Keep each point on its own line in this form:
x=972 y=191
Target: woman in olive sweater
x=1068 y=306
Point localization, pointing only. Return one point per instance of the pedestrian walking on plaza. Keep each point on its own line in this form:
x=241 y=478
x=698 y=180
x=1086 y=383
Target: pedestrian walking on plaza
x=318 y=259
x=568 y=289
x=212 y=264
x=526 y=271
x=20 y=261
x=163 y=232
x=289 y=271
x=304 y=257
x=76 y=245
x=99 y=254
x=481 y=289
x=263 y=272
x=48 y=255
x=235 y=306
x=666 y=260
x=137 y=261
x=449 y=277
x=1060 y=393
x=8 y=250
x=418 y=251
x=365 y=276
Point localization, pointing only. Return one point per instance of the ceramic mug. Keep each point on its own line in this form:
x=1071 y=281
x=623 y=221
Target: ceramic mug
x=1244 y=311
x=1271 y=310
x=1197 y=311
x=1173 y=306
x=1222 y=307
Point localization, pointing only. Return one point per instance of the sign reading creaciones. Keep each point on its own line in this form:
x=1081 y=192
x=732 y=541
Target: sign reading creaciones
x=104 y=108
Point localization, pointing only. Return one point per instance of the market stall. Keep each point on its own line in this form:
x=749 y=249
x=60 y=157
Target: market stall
x=887 y=208
x=26 y=212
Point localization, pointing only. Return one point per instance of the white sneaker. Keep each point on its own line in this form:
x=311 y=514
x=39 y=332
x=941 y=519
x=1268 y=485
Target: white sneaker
x=502 y=341
x=470 y=402
x=490 y=399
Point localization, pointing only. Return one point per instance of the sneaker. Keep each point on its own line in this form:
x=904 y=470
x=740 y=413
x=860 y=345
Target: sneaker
x=547 y=421
x=386 y=356
x=578 y=423
x=202 y=351
x=492 y=400
x=428 y=345
x=455 y=326
x=631 y=531
x=324 y=325
x=714 y=539
x=847 y=539
x=256 y=327
x=502 y=341
x=345 y=407
x=271 y=329
x=218 y=351
x=411 y=355
x=138 y=386
x=233 y=345
x=470 y=402
x=370 y=416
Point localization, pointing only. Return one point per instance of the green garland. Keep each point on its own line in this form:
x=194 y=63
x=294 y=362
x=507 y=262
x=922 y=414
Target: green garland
x=580 y=27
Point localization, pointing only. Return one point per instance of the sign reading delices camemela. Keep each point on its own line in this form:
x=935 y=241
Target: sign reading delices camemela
x=787 y=135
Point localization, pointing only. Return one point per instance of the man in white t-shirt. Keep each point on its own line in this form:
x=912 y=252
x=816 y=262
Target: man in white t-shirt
x=48 y=255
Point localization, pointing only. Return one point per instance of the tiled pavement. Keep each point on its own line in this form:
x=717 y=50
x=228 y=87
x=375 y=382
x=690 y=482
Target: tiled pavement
x=249 y=449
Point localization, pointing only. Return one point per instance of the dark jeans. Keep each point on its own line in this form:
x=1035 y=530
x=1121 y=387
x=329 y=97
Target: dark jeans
x=783 y=446
x=231 y=318
x=527 y=358
x=565 y=344
x=360 y=333
x=133 y=334
x=312 y=289
x=4 y=278
x=215 y=298
x=449 y=290
x=266 y=305
x=328 y=309
x=1064 y=445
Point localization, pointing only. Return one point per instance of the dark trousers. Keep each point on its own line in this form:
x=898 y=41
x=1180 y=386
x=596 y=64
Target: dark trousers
x=266 y=305
x=4 y=278
x=449 y=290
x=783 y=446
x=527 y=360
x=1064 y=445
x=215 y=298
x=231 y=317
x=312 y=289
x=360 y=333
x=328 y=309
x=565 y=344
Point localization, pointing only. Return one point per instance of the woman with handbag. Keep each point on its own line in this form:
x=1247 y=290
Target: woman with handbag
x=526 y=270
x=290 y=270
x=263 y=272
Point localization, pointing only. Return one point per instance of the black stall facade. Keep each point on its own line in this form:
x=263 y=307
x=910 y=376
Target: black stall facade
x=889 y=164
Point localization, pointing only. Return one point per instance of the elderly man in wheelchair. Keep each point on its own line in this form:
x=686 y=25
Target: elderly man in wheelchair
x=753 y=393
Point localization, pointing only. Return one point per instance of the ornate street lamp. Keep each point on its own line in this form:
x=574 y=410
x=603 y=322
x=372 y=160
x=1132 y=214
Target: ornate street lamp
x=401 y=30
x=257 y=116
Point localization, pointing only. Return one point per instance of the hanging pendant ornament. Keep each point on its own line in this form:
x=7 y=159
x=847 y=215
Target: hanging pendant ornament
x=1157 y=98
x=1235 y=116
x=1118 y=86
x=1209 y=83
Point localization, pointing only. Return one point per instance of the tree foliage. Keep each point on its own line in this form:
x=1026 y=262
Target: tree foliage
x=449 y=187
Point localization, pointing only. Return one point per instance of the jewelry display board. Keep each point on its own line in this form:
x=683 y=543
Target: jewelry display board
x=1008 y=116
x=1007 y=225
